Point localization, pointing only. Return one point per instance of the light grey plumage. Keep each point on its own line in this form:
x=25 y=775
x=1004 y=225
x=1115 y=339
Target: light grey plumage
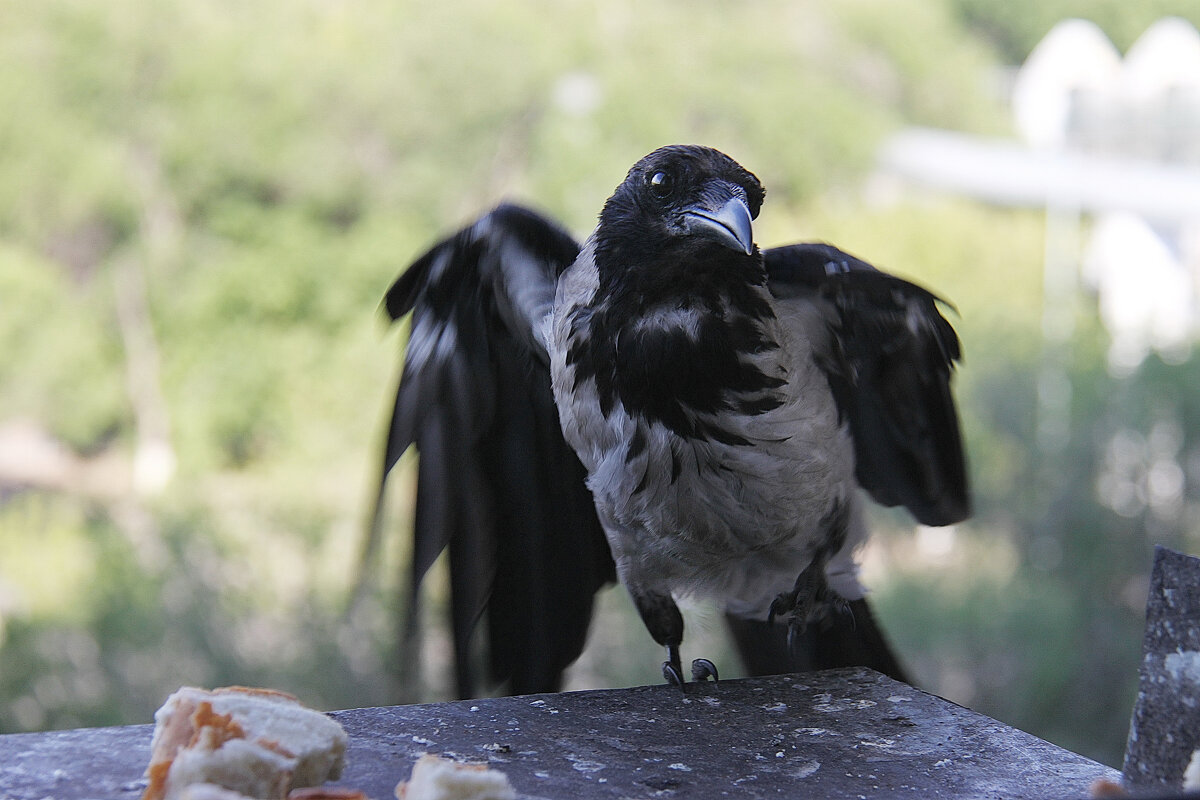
x=738 y=522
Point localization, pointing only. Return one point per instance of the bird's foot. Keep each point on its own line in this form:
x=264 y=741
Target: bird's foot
x=810 y=601
x=672 y=669
x=672 y=675
x=703 y=669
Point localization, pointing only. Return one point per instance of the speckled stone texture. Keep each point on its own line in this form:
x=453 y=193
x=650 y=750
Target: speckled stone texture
x=1165 y=729
x=839 y=734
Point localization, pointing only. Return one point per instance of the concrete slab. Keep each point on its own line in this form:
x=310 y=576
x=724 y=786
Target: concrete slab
x=849 y=733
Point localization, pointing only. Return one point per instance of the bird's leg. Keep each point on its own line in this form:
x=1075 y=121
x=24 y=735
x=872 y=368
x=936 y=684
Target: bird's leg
x=672 y=670
x=812 y=598
x=662 y=618
x=665 y=623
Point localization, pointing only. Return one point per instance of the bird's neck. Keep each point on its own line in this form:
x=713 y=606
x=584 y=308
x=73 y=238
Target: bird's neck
x=678 y=359
x=661 y=271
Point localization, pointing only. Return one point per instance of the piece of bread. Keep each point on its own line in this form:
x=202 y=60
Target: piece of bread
x=1104 y=789
x=210 y=791
x=257 y=742
x=435 y=778
x=1191 y=775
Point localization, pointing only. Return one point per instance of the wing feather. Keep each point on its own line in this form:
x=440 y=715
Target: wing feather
x=497 y=484
x=890 y=360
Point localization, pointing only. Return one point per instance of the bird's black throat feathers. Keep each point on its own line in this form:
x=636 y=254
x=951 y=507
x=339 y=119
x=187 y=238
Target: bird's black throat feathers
x=675 y=316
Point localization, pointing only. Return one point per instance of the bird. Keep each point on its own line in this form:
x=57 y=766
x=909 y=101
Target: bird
x=668 y=406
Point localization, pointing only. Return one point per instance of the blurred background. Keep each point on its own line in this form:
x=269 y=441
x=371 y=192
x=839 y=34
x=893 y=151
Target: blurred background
x=201 y=205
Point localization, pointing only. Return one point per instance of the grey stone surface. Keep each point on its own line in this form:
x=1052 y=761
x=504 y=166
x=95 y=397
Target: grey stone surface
x=1165 y=728
x=838 y=734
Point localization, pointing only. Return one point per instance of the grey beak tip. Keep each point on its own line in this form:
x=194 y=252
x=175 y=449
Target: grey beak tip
x=730 y=224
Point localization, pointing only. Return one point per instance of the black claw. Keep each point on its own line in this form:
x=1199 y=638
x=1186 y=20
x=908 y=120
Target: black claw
x=703 y=669
x=843 y=609
x=793 y=639
x=671 y=674
x=672 y=670
x=780 y=606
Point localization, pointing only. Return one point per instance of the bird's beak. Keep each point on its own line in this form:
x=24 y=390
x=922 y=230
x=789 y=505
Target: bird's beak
x=726 y=221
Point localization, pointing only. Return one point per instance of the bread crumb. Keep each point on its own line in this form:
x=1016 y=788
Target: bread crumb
x=1191 y=775
x=1103 y=789
x=326 y=793
x=210 y=791
x=437 y=778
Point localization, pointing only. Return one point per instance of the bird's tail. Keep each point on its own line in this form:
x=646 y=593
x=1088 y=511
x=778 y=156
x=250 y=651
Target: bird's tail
x=851 y=639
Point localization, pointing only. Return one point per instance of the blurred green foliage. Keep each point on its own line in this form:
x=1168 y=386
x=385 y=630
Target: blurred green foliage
x=201 y=205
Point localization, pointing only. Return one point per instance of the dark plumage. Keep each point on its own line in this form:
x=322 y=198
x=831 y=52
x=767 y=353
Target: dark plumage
x=669 y=406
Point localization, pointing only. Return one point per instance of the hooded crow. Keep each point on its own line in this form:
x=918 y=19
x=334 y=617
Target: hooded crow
x=670 y=406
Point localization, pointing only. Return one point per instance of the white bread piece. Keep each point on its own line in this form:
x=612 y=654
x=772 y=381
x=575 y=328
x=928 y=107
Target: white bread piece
x=327 y=793
x=210 y=791
x=258 y=742
x=1191 y=775
x=436 y=778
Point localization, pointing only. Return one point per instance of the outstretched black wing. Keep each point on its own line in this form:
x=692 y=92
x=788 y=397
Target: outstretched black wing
x=888 y=354
x=889 y=366
x=497 y=483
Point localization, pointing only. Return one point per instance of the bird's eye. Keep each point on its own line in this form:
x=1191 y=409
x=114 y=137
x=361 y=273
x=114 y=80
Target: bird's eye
x=661 y=183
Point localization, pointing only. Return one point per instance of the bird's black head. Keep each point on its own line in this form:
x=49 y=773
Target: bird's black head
x=681 y=299
x=682 y=213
